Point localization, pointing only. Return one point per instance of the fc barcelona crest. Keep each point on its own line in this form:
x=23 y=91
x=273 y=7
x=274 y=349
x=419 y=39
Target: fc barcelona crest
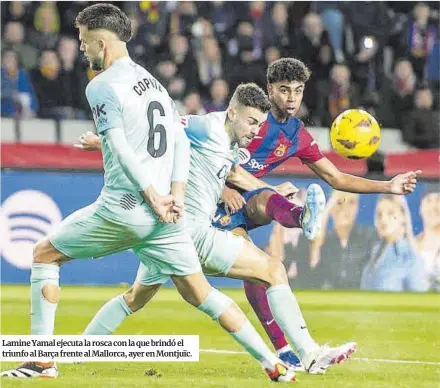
x=225 y=220
x=281 y=150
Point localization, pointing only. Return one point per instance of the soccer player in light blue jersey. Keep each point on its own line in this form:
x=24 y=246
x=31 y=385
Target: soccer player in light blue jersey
x=215 y=139
x=146 y=156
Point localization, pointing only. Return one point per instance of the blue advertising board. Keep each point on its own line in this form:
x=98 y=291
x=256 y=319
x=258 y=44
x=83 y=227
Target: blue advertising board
x=35 y=202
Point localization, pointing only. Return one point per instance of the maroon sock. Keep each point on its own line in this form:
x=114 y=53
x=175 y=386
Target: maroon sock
x=256 y=295
x=285 y=212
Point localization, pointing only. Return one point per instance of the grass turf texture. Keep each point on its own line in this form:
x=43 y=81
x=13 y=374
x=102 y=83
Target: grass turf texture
x=386 y=326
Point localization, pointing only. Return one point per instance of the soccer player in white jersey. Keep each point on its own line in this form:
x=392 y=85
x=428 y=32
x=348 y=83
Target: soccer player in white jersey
x=135 y=119
x=215 y=139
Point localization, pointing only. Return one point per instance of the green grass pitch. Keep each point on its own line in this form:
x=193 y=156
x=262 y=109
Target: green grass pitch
x=387 y=327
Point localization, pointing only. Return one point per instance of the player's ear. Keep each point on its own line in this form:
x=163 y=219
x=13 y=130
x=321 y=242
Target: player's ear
x=269 y=89
x=232 y=113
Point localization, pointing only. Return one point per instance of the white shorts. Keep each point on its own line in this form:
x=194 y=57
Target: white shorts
x=217 y=250
x=163 y=249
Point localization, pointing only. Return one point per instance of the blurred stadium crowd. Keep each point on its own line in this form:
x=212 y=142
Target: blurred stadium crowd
x=382 y=56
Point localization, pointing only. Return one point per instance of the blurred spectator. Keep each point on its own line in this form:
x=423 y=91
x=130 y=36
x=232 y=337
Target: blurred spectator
x=18 y=97
x=337 y=95
x=429 y=240
x=73 y=78
x=259 y=15
x=141 y=53
x=218 y=96
x=418 y=39
x=47 y=25
x=69 y=10
x=421 y=127
x=312 y=46
x=399 y=95
x=276 y=31
x=183 y=17
x=49 y=89
x=271 y=54
x=222 y=15
x=182 y=56
x=14 y=40
x=201 y=30
x=332 y=16
x=176 y=90
x=17 y=11
x=153 y=18
x=243 y=39
x=165 y=71
x=193 y=104
x=242 y=67
x=371 y=25
x=393 y=264
x=209 y=62
x=338 y=256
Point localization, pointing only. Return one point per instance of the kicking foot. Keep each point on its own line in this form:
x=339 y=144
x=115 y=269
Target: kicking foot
x=311 y=218
x=281 y=374
x=291 y=360
x=46 y=370
x=317 y=361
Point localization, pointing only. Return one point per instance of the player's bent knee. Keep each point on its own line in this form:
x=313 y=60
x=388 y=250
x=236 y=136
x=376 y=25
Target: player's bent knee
x=45 y=253
x=215 y=304
x=277 y=272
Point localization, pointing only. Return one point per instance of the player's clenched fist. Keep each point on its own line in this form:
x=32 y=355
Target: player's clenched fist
x=233 y=200
x=88 y=141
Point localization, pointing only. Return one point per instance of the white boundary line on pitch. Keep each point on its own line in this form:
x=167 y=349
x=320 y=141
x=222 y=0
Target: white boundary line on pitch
x=354 y=358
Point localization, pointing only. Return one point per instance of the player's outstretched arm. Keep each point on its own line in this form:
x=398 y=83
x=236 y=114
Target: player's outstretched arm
x=401 y=184
x=244 y=180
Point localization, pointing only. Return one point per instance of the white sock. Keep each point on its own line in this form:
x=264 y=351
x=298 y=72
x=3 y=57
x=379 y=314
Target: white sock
x=248 y=337
x=284 y=349
x=286 y=311
x=109 y=317
x=43 y=311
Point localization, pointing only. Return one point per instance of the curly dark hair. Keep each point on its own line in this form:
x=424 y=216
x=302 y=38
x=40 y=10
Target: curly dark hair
x=252 y=95
x=107 y=17
x=288 y=70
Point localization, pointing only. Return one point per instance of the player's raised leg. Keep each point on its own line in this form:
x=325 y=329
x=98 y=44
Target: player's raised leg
x=268 y=205
x=254 y=265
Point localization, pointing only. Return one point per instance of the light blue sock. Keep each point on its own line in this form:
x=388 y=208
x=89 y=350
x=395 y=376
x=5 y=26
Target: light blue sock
x=215 y=305
x=43 y=311
x=109 y=317
x=286 y=311
x=248 y=337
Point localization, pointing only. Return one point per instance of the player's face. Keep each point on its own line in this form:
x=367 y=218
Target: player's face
x=246 y=123
x=286 y=97
x=92 y=47
x=430 y=210
x=389 y=219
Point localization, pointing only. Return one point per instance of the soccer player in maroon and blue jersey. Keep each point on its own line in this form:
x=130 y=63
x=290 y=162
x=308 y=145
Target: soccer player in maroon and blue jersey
x=284 y=136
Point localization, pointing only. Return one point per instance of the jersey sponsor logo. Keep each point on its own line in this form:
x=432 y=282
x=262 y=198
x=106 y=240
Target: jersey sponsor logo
x=26 y=217
x=281 y=150
x=254 y=165
x=243 y=155
x=98 y=110
x=184 y=121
